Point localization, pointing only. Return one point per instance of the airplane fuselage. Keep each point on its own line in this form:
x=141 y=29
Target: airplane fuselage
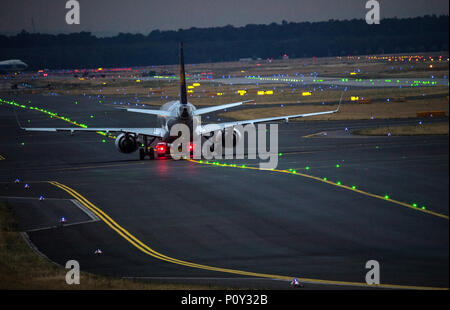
x=12 y=65
x=183 y=114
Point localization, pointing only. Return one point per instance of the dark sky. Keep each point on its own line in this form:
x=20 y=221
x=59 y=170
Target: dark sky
x=108 y=17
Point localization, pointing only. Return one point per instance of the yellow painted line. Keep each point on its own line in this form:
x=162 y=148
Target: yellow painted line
x=300 y=174
x=2 y=158
x=400 y=203
x=149 y=251
x=314 y=134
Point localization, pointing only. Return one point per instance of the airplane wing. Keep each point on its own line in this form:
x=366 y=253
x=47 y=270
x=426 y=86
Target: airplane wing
x=204 y=129
x=221 y=126
x=154 y=132
x=219 y=107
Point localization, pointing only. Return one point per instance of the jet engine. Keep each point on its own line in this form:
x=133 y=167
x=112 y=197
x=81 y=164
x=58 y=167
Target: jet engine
x=126 y=143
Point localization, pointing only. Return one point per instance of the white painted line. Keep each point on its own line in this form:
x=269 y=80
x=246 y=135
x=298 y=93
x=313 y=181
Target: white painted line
x=88 y=212
x=33 y=198
x=61 y=226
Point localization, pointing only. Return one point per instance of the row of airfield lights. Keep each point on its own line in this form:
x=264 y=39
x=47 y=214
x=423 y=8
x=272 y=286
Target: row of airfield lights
x=307 y=169
x=243 y=92
x=209 y=75
x=51 y=114
x=394 y=82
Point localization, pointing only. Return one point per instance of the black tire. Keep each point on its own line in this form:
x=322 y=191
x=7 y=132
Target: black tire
x=141 y=154
x=151 y=153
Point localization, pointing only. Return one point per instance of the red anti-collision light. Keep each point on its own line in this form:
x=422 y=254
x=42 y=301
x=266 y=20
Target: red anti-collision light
x=161 y=148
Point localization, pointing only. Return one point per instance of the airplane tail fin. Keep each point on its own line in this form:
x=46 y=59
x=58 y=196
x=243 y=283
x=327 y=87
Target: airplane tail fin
x=183 y=95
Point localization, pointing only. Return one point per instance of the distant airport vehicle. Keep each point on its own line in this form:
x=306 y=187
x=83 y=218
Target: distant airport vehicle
x=156 y=142
x=12 y=65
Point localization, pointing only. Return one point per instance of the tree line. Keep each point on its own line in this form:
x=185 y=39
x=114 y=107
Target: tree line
x=229 y=43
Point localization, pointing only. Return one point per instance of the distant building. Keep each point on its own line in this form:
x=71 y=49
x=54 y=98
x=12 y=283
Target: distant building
x=285 y=57
x=245 y=59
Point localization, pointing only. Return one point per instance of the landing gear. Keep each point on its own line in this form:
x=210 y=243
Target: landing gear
x=150 y=153
x=145 y=150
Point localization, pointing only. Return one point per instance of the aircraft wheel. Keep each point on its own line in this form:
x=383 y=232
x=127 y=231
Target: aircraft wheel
x=151 y=153
x=141 y=154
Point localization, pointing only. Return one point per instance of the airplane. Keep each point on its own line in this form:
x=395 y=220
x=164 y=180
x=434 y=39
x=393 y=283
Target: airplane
x=12 y=65
x=156 y=142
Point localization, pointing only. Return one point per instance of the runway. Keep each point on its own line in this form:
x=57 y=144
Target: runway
x=225 y=225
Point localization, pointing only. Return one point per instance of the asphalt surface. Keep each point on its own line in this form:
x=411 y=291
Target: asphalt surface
x=265 y=222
